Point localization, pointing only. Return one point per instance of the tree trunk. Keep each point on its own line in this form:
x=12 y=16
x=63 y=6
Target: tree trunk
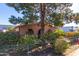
x=42 y=14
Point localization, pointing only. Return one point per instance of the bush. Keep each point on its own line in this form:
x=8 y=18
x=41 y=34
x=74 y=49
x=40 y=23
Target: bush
x=70 y=34
x=60 y=32
x=76 y=35
x=52 y=36
x=8 y=38
x=60 y=45
x=49 y=36
x=75 y=38
x=28 y=40
x=57 y=40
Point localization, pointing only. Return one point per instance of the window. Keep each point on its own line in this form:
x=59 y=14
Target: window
x=30 y=31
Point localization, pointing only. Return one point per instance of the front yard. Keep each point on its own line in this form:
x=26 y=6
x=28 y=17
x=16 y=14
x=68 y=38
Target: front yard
x=55 y=43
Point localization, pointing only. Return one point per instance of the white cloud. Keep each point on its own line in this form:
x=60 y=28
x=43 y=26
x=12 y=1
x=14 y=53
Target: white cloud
x=75 y=7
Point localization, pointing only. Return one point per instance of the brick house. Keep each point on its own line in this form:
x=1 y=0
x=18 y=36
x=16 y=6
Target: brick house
x=33 y=28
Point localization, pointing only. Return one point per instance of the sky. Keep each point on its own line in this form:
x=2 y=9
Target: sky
x=6 y=12
x=75 y=7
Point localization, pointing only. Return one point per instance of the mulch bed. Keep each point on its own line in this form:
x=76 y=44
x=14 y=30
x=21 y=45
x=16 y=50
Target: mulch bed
x=40 y=51
x=47 y=51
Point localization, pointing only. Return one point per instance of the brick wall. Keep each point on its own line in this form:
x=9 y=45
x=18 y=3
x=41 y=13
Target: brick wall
x=23 y=29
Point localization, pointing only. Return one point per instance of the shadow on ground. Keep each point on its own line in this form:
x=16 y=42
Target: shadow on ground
x=45 y=52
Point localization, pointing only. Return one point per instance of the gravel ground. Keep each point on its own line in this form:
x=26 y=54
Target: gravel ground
x=74 y=53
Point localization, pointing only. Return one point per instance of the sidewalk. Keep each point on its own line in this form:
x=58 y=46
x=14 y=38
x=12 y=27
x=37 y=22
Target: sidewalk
x=73 y=50
x=74 y=53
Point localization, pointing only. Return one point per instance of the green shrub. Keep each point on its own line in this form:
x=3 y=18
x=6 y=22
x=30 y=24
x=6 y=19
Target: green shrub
x=60 y=45
x=28 y=40
x=59 y=32
x=51 y=36
x=27 y=43
x=57 y=40
x=8 y=38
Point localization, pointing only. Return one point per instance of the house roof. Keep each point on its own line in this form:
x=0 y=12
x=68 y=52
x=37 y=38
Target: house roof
x=38 y=23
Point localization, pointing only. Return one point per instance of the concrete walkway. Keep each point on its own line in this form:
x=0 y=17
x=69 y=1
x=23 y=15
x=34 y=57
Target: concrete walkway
x=74 y=53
